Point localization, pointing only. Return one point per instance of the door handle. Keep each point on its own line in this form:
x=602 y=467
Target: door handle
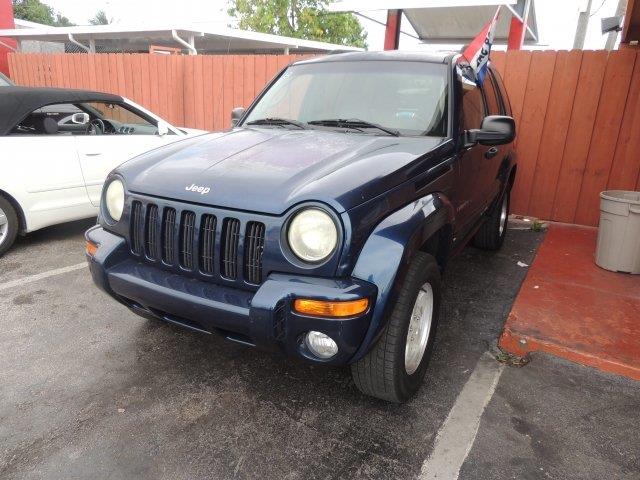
x=492 y=152
x=93 y=154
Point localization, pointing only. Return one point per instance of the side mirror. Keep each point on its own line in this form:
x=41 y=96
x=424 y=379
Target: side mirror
x=236 y=114
x=163 y=128
x=495 y=130
x=80 y=118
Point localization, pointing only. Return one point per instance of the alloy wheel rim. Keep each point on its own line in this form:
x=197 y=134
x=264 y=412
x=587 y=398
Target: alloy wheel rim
x=4 y=226
x=503 y=215
x=419 y=329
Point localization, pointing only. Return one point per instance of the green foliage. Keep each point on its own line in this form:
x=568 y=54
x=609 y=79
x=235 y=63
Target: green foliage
x=39 y=12
x=100 y=18
x=62 y=21
x=306 y=19
x=33 y=11
x=538 y=226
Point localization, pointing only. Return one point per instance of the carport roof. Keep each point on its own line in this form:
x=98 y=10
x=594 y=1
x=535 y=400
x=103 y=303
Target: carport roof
x=450 y=21
x=208 y=38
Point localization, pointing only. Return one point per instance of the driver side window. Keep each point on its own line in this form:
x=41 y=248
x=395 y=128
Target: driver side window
x=117 y=119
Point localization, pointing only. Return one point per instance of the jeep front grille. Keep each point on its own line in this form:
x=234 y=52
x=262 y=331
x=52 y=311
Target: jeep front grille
x=207 y=243
x=211 y=246
x=186 y=239
x=137 y=220
x=230 y=238
x=254 y=245
x=152 y=232
x=168 y=236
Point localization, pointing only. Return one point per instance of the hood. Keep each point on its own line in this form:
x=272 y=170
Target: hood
x=269 y=170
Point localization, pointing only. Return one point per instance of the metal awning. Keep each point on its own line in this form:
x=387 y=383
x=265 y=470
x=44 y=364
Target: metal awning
x=450 y=21
x=204 y=38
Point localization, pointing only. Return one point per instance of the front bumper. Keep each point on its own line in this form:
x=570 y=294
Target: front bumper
x=262 y=318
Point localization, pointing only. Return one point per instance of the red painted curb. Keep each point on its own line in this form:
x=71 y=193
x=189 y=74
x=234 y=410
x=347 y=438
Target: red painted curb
x=570 y=308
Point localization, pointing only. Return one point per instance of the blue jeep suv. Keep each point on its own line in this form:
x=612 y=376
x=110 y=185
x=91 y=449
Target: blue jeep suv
x=320 y=224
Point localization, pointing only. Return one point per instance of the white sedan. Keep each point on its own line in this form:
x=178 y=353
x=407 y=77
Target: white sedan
x=57 y=147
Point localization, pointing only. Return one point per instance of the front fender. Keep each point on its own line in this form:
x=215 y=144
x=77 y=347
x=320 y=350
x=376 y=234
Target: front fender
x=385 y=257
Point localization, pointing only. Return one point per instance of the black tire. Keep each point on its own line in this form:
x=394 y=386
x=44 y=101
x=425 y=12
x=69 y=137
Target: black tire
x=382 y=373
x=490 y=236
x=12 y=226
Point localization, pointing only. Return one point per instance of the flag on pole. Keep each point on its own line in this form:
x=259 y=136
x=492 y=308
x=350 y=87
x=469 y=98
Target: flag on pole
x=477 y=53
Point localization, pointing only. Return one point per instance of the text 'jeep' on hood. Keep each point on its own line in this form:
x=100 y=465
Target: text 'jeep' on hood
x=319 y=225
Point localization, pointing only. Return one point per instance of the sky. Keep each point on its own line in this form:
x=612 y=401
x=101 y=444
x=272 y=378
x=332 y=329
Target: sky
x=557 y=19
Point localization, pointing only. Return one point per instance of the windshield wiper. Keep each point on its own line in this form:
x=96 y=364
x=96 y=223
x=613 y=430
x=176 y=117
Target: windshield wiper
x=353 y=123
x=278 y=121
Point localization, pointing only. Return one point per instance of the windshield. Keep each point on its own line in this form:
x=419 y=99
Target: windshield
x=407 y=97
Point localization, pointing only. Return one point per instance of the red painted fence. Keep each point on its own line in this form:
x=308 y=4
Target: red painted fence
x=578 y=112
x=191 y=91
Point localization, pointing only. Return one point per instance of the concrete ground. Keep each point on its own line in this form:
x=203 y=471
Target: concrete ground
x=89 y=390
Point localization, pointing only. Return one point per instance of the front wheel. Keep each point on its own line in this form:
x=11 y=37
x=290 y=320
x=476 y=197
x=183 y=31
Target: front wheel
x=491 y=234
x=394 y=368
x=8 y=225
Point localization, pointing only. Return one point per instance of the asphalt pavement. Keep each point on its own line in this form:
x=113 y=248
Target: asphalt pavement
x=89 y=390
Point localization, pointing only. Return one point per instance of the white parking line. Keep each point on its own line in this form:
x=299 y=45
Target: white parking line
x=458 y=432
x=40 y=276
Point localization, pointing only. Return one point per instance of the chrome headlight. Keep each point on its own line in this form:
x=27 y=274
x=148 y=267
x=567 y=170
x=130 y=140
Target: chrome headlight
x=312 y=235
x=114 y=199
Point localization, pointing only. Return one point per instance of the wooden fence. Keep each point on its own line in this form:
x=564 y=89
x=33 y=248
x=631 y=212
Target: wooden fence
x=578 y=119
x=190 y=91
x=578 y=112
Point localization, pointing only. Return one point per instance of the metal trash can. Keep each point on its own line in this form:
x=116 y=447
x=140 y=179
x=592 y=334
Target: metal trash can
x=619 y=232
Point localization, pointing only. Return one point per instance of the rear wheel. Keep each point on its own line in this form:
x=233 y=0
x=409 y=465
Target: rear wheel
x=8 y=225
x=491 y=234
x=394 y=368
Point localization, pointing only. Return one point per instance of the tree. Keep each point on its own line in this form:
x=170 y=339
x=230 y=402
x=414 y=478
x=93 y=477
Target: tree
x=39 y=12
x=62 y=21
x=33 y=11
x=100 y=18
x=307 y=19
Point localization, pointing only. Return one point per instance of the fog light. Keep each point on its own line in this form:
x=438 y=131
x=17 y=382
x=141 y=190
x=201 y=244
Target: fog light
x=321 y=345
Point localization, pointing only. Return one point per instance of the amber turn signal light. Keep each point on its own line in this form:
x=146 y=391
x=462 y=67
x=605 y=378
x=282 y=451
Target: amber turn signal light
x=91 y=248
x=320 y=308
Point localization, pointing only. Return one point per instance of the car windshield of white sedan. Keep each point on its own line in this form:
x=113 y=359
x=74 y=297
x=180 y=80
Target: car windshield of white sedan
x=373 y=97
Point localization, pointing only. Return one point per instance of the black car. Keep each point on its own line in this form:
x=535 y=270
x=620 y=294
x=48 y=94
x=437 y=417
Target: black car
x=320 y=225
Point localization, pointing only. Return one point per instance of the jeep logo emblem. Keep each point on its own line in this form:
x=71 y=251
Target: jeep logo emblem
x=194 y=188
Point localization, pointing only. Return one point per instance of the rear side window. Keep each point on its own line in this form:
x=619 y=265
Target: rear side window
x=47 y=120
